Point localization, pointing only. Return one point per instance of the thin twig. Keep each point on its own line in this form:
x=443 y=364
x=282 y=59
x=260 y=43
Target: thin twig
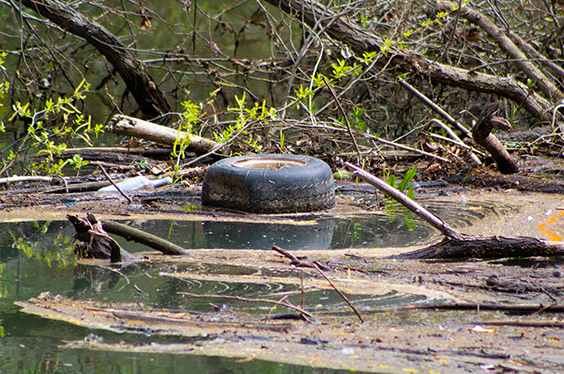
x=339 y=292
x=345 y=117
x=307 y=315
x=115 y=185
x=437 y=109
x=317 y=266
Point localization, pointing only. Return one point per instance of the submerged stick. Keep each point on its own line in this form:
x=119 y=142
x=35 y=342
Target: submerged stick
x=307 y=315
x=339 y=292
x=420 y=211
x=317 y=266
x=150 y=240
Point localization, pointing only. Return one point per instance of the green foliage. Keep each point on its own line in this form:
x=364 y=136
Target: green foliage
x=342 y=175
x=4 y=87
x=305 y=97
x=49 y=129
x=342 y=70
x=245 y=116
x=408 y=177
x=391 y=206
x=386 y=46
x=190 y=116
x=357 y=121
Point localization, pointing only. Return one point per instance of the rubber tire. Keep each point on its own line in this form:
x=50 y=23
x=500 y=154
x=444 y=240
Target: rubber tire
x=305 y=184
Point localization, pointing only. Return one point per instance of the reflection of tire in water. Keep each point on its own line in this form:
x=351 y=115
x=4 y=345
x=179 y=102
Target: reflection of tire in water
x=239 y=235
x=269 y=184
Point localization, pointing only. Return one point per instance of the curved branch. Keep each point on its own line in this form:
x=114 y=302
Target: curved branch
x=360 y=41
x=521 y=60
x=145 y=91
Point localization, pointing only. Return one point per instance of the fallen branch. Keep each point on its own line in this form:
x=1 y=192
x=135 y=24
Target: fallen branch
x=523 y=308
x=520 y=59
x=115 y=185
x=130 y=126
x=16 y=179
x=339 y=292
x=139 y=236
x=481 y=132
x=94 y=241
x=423 y=213
x=361 y=40
x=456 y=244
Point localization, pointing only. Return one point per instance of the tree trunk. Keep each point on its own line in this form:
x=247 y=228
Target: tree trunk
x=145 y=91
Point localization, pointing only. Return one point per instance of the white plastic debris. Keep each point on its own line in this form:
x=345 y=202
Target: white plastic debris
x=137 y=183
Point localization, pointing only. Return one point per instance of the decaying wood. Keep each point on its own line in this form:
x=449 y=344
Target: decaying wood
x=30 y=178
x=94 y=242
x=481 y=132
x=437 y=109
x=92 y=152
x=145 y=91
x=145 y=238
x=456 y=244
x=361 y=40
x=470 y=246
x=130 y=126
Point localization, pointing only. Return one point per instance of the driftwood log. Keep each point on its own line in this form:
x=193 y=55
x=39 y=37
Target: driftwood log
x=150 y=240
x=130 y=126
x=456 y=245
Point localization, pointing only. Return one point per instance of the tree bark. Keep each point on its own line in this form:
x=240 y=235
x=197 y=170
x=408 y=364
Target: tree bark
x=130 y=126
x=145 y=91
x=150 y=240
x=361 y=40
x=486 y=247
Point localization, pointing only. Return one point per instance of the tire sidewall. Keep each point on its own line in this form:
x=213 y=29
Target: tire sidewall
x=269 y=190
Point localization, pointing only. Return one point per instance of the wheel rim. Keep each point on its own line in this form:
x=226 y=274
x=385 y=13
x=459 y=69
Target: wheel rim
x=270 y=163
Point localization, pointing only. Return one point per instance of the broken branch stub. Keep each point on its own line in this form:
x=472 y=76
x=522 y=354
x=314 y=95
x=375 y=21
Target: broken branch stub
x=130 y=126
x=94 y=242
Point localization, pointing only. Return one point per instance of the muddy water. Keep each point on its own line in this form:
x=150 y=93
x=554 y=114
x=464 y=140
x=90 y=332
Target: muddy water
x=38 y=257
